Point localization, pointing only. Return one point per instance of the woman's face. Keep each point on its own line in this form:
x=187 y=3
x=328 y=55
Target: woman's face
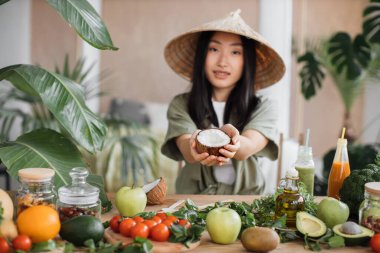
x=224 y=63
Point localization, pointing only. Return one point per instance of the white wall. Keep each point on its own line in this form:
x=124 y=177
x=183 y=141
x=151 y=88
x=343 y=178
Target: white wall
x=14 y=44
x=275 y=24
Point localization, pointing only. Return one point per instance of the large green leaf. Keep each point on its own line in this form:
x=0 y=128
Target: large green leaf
x=342 y=56
x=311 y=74
x=371 y=24
x=64 y=99
x=45 y=148
x=86 y=22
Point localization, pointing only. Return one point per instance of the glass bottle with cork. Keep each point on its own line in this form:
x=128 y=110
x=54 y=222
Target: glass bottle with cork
x=290 y=201
x=340 y=168
x=305 y=165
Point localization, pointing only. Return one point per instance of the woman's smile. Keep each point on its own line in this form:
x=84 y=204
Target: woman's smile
x=221 y=74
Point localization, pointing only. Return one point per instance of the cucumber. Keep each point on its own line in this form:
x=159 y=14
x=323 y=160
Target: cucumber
x=81 y=228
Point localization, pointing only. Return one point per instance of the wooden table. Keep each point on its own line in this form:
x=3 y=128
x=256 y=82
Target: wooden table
x=208 y=246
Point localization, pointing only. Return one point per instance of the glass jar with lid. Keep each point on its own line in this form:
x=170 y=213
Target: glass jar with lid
x=36 y=188
x=369 y=213
x=79 y=198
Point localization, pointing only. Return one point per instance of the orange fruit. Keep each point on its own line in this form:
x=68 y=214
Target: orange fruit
x=40 y=223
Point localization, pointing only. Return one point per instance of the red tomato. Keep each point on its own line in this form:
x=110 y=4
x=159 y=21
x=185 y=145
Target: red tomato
x=126 y=226
x=184 y=223
x=375 y=243
x=140 y=230
x=114 y=223
x=172 y=218
x=4 y=246
x=162 y=215
x=150 y=223
x=167 y=222
x=22 y=242
x=160 y=233
x=138 y=219
x=157 y=219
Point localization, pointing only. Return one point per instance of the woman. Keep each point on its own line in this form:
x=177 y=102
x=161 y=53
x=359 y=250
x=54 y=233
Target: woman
x=227 y=62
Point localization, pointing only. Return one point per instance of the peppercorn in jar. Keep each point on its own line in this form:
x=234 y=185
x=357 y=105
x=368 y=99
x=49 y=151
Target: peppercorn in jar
x=36 y=188
x=79 y=198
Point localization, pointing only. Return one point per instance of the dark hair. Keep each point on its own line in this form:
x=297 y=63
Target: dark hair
x=242 y=100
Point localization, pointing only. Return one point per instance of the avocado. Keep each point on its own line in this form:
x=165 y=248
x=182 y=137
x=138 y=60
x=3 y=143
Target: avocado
x=353 y=233
x=310 y=225
x=81 y=228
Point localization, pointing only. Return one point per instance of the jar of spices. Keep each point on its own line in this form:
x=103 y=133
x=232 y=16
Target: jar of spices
x=369 y=213
x=36 y=188
x=79 y=198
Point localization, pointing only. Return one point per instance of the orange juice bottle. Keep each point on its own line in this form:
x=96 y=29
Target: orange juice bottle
x=340 y=169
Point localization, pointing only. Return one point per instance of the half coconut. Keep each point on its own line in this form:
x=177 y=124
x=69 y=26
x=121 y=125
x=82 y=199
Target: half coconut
x=156 y=191
x=211 y=140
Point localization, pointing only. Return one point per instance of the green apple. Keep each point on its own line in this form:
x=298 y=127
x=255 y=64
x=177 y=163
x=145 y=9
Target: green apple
x=130 y=201
x=223 y=224
x=332 y=212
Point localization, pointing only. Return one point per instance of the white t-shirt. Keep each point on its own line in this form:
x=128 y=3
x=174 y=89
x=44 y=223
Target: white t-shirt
x=226 y=173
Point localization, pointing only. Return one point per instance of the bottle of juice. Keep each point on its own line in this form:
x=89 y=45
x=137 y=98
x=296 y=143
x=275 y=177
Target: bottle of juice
x=340 y=169
x=290 y=201
x=305 y=167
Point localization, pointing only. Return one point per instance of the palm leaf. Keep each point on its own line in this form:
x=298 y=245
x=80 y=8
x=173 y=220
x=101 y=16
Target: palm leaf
x=86 y=22
x=311 y=74
x=64 y=99
x=45 y=148
x=371 y=24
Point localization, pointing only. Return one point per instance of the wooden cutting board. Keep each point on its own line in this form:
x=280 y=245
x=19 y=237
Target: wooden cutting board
x=158 y=247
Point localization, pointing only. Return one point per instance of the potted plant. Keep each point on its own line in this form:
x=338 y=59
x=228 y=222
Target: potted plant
x=65 y=100
x=351 y=62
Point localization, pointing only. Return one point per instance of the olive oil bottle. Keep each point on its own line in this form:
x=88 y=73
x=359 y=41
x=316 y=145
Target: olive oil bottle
x=290 y=201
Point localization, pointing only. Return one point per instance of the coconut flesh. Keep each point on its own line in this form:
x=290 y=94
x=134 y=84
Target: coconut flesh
x=211 y=140
x=155 y=191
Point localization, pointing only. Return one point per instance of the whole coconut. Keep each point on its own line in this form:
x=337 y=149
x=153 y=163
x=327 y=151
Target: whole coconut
x=211 y=140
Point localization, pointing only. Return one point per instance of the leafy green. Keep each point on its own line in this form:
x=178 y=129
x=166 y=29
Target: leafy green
x=329 y=239
x=139 y=245
x=44 y=246
x=186 y=235
x=69 y=248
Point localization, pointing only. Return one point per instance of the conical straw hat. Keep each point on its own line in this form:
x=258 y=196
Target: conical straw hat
x=180 y=51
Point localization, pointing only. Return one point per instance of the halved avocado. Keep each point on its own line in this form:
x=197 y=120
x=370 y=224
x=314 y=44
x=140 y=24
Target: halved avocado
x=310 y=225
x=354 y=239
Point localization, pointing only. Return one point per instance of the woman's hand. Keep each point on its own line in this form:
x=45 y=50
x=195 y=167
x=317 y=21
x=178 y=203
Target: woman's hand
x=204 y=158
x=230 y=150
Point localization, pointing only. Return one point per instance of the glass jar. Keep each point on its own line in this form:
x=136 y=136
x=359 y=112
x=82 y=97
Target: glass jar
x=369 y=212
x=79 y=198
x=305 y=167
x=36 y=188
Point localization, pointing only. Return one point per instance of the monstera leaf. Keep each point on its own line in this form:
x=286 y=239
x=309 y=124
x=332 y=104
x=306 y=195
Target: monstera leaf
x=64 y=99
x=371 y=24
x=311 y=74
x=86 y=22
x=347 y=58
x=45 y=148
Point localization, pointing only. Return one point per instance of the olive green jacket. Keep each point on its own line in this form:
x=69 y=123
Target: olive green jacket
x=199 y=179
